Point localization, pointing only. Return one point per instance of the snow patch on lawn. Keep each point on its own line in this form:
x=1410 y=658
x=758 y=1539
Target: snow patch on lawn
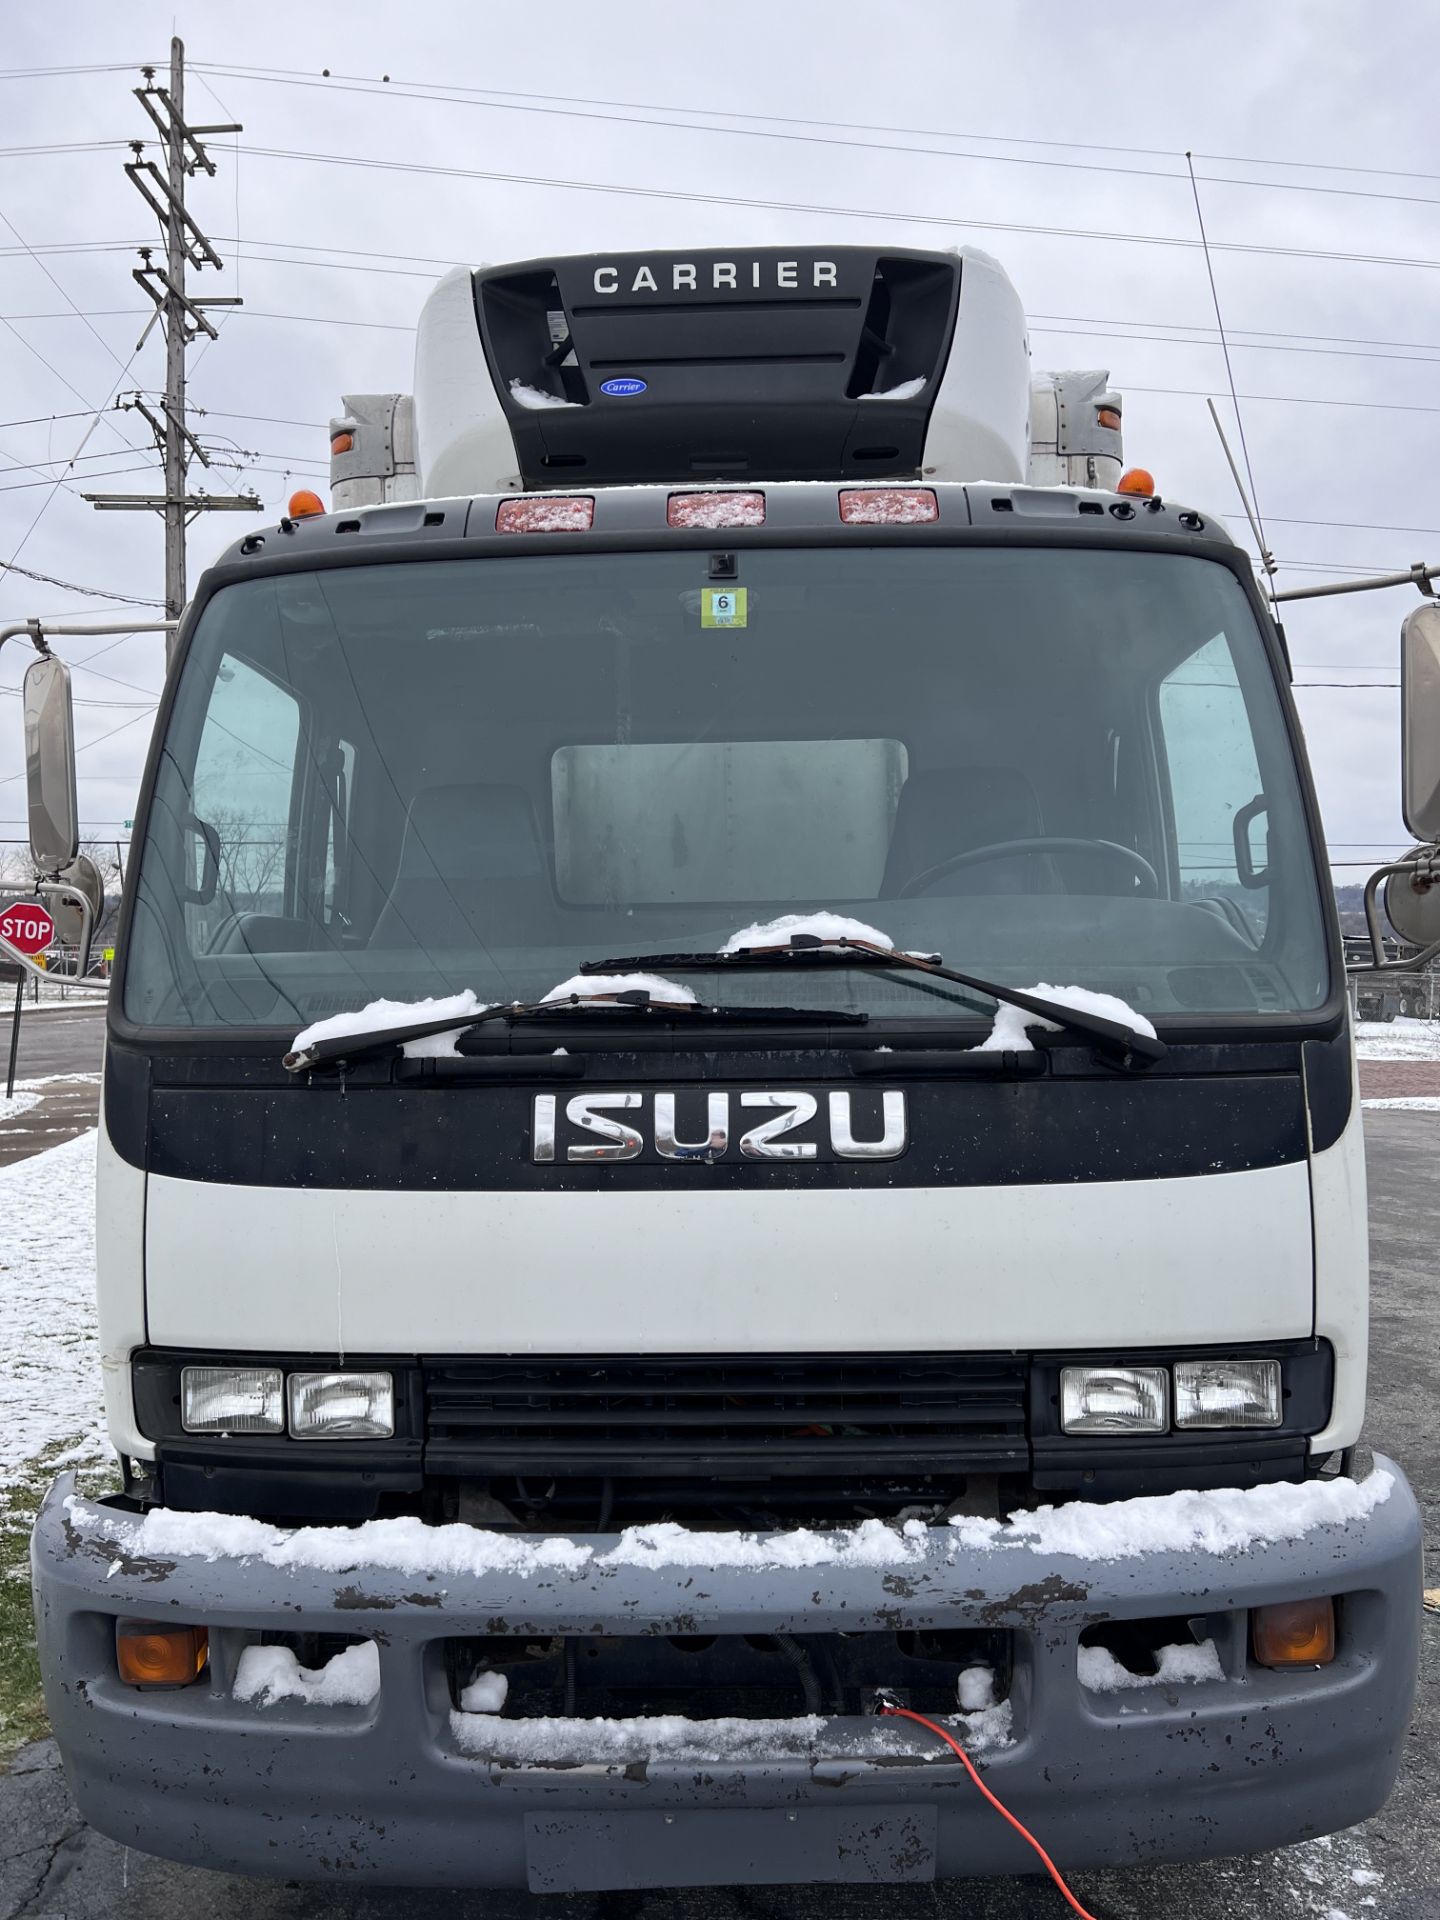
x=350 y=1678
x=1399 y=1039
x=50 y=1383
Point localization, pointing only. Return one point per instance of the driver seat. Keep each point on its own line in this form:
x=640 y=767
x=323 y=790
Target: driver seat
x=948 y=810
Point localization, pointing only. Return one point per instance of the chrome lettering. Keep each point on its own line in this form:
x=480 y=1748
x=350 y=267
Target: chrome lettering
x=892 y=1138
x=587 y=1110
x=644 y=281
x=785 y=272
x=764 y=1142
x=717 y=1123
x=607 y=280
x=723 y=274
x=682 y=275
x=824 y=275
x=542 y=1136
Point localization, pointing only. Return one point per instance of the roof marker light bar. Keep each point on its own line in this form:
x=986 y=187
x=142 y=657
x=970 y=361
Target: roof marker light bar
x=716 y=510
x=552 y=514
x=888 y=506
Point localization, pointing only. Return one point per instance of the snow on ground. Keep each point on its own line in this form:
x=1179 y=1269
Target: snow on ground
x=17 y=1104
x=1406 y=1103
x=1397 y=1039
x=50 y=1384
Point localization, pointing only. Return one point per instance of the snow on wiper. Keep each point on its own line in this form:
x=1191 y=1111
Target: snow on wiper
x=353 y=1036
x=1105 y=1020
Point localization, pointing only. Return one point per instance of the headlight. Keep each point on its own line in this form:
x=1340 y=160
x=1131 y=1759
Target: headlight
x=232 y=1400
x=1227 y=1393
x=341 y=1406
x=1114 y=1399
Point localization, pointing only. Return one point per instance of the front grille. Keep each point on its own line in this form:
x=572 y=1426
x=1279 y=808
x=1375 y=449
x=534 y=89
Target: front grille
x=771 y=1417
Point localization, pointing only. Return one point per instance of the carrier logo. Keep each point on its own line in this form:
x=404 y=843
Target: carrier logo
x=716 y=276
x=595 y=1129
x=623 y=387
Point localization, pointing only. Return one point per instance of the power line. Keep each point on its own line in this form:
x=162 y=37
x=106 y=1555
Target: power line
x=532 y=105
x=953 y=222
x=70 y=586
x=86 y=745
x=327 y=79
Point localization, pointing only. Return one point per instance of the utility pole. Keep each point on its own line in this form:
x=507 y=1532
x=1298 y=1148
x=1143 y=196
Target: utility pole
x=182 y=319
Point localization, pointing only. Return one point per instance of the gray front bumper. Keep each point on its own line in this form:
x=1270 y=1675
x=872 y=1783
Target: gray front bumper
x=386 y=1791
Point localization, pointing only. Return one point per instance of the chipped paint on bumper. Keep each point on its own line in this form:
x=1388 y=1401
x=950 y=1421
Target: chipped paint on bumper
x=385 y=1792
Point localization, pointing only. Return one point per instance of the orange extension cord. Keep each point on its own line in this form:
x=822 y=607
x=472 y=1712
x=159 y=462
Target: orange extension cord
x=904 y=1713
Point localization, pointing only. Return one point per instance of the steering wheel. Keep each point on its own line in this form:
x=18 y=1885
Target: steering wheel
x=1038 y=843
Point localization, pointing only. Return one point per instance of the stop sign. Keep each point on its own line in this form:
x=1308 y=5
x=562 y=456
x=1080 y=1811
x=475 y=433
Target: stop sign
x=27 y=926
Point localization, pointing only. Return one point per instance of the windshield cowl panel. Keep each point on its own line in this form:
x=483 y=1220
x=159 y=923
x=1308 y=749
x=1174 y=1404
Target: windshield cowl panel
x=424 y=780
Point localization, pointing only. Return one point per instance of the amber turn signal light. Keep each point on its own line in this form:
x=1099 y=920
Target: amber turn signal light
x=1298 y=1633
x=341 y=442
x=1108 y=417
x=147 y=1655
x=1137 y=480
x=304 y=505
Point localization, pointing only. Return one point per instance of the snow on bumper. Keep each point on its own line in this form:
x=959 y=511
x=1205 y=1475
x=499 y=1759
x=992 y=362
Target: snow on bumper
x=401 y=1788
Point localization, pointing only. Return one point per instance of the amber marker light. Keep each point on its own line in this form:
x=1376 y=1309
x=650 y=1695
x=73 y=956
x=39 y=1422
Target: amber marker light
x=341 y=442
x=1137 y=480
x=148 y=1655
x=1297 y=1633
x=1108 y=417
x=304 y=505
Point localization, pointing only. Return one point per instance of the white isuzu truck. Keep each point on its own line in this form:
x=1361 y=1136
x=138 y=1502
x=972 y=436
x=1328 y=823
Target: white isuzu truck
x=729 y=1109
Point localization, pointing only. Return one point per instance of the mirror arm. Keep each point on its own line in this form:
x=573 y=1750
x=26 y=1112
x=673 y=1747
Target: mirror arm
x=28 y=966
x=1378 y=963
x=87 y=919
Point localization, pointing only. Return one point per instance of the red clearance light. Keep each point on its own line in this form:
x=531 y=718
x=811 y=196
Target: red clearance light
x=548 y=514
x=716 y=510
x=888 y=506
x=304 y=505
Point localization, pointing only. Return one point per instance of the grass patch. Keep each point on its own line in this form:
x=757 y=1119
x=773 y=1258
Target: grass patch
x=22 y=1709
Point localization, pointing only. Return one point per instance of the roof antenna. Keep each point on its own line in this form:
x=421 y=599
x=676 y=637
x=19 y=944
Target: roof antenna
x=1249 y=500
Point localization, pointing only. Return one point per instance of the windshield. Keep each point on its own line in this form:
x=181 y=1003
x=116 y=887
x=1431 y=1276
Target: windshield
x=406 y=780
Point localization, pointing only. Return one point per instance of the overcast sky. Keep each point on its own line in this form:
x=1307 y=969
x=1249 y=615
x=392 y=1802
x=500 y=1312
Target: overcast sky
x=1068 y=123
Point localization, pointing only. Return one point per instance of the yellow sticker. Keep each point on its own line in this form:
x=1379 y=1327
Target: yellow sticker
x=724 y=607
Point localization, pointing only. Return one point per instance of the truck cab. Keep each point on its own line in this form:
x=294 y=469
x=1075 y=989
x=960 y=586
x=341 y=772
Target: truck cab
x=729 y=1101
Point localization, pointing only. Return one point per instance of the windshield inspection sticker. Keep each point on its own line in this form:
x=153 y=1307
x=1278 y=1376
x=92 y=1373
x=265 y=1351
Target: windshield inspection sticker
x=724 y=607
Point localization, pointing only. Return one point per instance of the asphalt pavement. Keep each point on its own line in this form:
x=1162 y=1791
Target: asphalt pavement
x=52 y=1867
x=61 y=1047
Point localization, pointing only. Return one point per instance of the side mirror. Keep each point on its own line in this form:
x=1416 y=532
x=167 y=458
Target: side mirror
x=50 y=764
x=1420 y=721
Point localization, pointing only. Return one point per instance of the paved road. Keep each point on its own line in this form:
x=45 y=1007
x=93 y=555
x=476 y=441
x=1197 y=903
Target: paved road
x=68 y=1038
x=61 y=1047
x=53 y=1868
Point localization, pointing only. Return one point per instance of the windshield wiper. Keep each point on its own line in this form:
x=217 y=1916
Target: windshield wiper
x=355 y=1046
x=1114 y=1037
